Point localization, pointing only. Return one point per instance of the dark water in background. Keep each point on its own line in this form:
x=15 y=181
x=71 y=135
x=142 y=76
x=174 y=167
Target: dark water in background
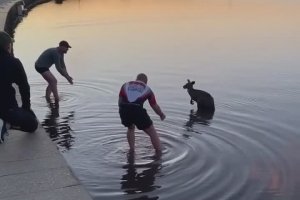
x=245 y=53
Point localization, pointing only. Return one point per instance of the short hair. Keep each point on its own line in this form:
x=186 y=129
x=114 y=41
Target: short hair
x=142 y=77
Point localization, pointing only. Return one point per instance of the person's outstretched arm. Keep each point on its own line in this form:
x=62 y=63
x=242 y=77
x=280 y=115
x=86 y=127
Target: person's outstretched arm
x=61 y=68
x=155 y=106
x=158 y=111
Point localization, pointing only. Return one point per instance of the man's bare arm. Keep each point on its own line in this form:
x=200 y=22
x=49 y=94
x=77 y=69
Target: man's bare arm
x=158 y=111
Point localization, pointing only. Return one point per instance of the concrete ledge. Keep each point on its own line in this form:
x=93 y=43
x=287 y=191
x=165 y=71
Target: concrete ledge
x=9 y=16
x=31 y=167
x=68 y=193
x=10 y=9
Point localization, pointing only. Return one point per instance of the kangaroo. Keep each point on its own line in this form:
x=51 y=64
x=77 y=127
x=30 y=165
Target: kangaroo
x=205 y=102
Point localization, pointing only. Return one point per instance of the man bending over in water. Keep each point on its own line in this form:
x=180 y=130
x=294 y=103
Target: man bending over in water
x=46 y=60
x=132 y=96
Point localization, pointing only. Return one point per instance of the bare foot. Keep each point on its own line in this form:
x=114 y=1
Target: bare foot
x=158 y=154
x=130 y=157
x=56 y=103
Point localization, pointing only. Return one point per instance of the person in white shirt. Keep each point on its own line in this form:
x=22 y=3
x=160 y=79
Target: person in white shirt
x=132 y=96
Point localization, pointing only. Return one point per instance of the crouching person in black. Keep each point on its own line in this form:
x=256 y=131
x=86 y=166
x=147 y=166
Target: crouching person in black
x=12 y=71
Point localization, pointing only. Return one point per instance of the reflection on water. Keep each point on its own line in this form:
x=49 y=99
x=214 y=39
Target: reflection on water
x=134 y=182
x=203 y=117
x=58 y=127
x=244 y=52
x=274 y=183
x=59 y=1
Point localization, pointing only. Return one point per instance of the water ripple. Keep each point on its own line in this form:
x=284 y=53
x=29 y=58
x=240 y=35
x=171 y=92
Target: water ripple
x=229 y=154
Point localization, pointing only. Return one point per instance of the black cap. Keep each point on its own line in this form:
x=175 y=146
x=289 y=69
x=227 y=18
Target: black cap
x=64 y=44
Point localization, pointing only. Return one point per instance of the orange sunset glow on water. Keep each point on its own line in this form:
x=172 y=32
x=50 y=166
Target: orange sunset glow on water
x=245 y=53
x=189 y=28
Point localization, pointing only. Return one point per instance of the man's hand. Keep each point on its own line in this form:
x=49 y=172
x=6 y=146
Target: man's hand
x=158 y=111
x=70 y=79
x=162 y=116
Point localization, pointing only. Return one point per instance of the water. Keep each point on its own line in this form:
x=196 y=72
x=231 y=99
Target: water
x=245 y=53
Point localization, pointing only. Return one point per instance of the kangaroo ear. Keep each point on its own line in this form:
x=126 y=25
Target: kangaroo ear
x=188 y=81
x=193 y=82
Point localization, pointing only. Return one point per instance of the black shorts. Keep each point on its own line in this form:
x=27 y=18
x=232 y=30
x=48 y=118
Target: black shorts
x=41 y=69
x=135 y=115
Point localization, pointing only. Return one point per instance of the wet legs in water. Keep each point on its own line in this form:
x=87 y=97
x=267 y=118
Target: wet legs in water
x=52 y=86
x=131 y=138
x=152 y=134
x=154 y=140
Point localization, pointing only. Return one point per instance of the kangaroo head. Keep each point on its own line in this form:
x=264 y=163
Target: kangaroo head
x=189 y=85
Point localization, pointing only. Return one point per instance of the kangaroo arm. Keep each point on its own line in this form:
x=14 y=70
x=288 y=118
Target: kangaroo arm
x=192 y=102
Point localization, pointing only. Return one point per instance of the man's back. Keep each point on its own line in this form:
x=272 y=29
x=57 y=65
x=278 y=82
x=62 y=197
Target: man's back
x=6 y=76
x=48 y=58
x=11 y=71
x=136 y=92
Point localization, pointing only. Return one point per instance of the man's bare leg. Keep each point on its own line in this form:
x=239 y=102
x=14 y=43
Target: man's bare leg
x=52 y=85
x=131 y=138
x=154 y=139
x=48 y=93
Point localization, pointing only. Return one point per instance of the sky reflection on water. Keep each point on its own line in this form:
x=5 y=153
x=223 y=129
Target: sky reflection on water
x=245 y=53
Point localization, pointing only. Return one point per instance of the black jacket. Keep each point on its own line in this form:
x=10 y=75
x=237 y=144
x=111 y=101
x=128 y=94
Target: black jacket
x=12 y=71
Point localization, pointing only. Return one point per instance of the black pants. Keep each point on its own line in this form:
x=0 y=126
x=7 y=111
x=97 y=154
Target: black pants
x=20 y=119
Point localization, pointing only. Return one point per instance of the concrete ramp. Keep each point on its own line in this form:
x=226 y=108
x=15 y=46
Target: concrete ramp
x=31 y=167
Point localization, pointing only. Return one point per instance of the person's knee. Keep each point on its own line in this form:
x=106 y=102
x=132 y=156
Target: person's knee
x=53 y=82
x=131 y=127
x=28 y=121
x=30 y=126
x=34 y=125
x=150 y=130
x=49 y=77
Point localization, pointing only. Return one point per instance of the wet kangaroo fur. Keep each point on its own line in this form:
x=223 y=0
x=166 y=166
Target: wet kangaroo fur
x=205 y=102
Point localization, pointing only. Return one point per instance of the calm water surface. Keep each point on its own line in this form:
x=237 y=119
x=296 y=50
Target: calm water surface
x=245 y=53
